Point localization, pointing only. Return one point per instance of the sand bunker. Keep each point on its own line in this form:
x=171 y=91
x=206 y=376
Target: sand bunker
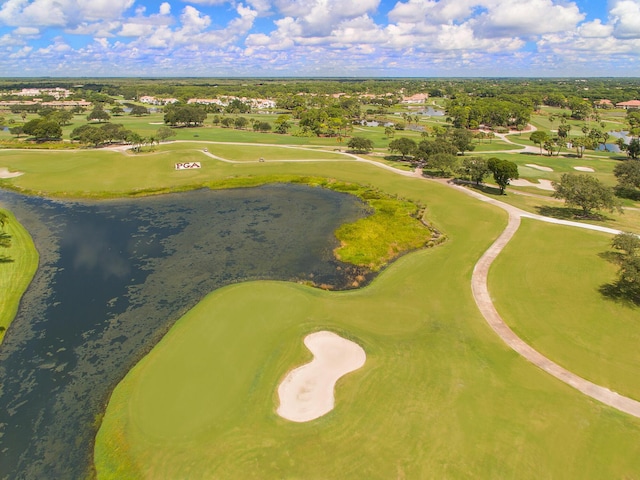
x=306 y=393
x=5 y=173
x=542 y=185
x=584 y=169
x=539 y=167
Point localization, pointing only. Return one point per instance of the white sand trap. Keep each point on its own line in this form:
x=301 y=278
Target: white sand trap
x=539 y=167
x=542 y=184
x=306 y=393
x=5 y=173
x=584 y=169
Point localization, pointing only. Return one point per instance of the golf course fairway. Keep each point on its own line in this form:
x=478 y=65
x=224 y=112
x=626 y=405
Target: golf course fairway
x=440 y=396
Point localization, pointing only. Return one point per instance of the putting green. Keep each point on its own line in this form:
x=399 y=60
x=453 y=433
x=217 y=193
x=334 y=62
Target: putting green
x=439 y=397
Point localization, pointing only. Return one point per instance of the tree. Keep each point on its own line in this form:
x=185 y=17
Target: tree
x=427 y=148
x=17 y=131
x=586 y=192
x=503 y=172
x=629 y=263
x=633 y=149
x=240 y=123
x=138 y=111
x=389 y=132
x=475 y=169
x=42 y=129
x=462 y=139
x=629 y=243
x=539 y=138
x=628 y=175
x=163 y=133
x=98 y=114
x=444 y=162
x=184 y=115
x=117 y=110
x=549 y=146
x=579 y=144
x=360 y=144
x=262 y=126
x=402 y=145
x=282 y=124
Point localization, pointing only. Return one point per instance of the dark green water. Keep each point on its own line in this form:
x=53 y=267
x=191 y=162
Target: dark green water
x=115 y=275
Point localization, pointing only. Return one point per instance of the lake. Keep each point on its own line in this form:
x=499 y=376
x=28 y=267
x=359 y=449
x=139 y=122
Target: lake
x=113 y=278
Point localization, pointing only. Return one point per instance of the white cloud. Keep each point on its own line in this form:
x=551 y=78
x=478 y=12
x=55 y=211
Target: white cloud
x=431 y=11
x=165 y=8
x=625 y=15
x=61 y=13
x=595 y=29
x=26 y=31
x=525 y=18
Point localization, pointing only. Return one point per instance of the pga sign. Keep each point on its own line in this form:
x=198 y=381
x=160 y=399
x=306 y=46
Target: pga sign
x=188 y=165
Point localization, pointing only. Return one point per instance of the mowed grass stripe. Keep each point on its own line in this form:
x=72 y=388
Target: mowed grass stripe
x=546 y=286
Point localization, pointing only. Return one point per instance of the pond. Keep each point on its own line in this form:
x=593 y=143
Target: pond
x=115 y=275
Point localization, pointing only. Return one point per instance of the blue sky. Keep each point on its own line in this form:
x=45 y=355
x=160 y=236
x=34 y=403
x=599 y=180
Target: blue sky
x=319 y=38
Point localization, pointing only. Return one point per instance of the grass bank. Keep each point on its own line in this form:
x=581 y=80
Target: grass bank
x=16 y=274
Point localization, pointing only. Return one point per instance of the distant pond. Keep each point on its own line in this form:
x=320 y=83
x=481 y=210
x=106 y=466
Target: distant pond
x=113 y=278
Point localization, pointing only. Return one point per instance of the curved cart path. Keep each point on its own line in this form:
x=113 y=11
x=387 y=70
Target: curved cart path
x=482 y=297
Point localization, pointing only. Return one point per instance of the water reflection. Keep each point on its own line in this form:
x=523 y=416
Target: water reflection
x=114 y=276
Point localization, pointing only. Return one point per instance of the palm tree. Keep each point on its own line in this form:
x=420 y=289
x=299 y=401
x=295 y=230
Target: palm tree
x=4 y=219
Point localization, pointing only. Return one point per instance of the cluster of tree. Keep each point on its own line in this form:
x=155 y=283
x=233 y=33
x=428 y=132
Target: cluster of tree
x=40 y=128
x=586 y=192
x=628 y=260
x=471 y=112
x=593 y=139
x=108 y=133
x=447 y=141
x=102 y=135
x=331 y=121
x=184 y=115
x=237 y=106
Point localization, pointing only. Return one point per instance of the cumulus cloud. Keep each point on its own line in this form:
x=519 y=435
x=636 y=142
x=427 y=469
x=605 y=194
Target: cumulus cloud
x=524 y=18
x=165 y=8
x=625 y=15
x=60 y=13
x=305 y=36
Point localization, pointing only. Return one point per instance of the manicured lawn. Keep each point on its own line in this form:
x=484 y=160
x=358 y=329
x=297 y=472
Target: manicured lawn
x=15 y=275
x=439 y=397
x=546 y=286
x=104 y=171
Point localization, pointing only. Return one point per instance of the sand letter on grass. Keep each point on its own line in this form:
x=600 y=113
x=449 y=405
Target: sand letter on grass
x=306 y=393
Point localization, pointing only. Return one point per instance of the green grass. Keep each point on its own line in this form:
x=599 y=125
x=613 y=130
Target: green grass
x=15 y=275
x=439 y=397
x=587 y=333
x=375 y=240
